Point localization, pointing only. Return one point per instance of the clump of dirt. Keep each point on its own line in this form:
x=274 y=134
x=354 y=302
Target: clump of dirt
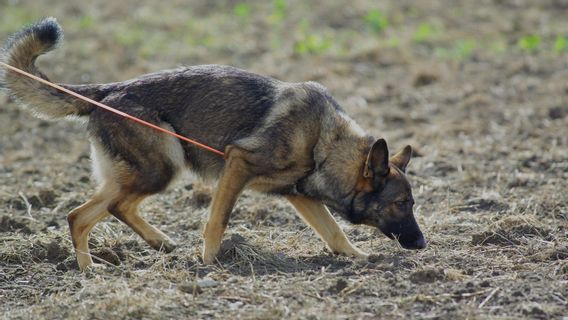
x=16 y=203
x=190 y=287
x=557 y=112
x=238 y=249
x=427 y=275
x=393 y=263
x=200 y=199
x=52 y=252
x=511 y=231
x=425 y=78
x=9 y=224
x=243 y=255
x=339 y=286
x=535 y=311
x=44 y=198
x=483 y=204
x=68 y=264
x=107 y=255
x=553 y=254
x=121 y=250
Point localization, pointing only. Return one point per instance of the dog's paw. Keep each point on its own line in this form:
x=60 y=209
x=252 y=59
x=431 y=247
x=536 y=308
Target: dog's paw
x=352 y=252
x=94 y=268
x=165 y=245
x=208 y=258
x=361 y=256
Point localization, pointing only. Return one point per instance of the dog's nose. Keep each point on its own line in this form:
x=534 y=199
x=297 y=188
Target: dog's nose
x=414 y=243
x=420 y=243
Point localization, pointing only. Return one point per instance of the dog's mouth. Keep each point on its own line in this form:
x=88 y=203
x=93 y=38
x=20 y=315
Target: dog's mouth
x=411 y=241
x=406 y=232
x=417 y=244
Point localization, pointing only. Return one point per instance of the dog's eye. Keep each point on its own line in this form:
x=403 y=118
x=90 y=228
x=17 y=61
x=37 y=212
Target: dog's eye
x=404 y=204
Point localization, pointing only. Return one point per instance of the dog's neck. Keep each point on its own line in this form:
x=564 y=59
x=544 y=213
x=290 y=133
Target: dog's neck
x=339 y=156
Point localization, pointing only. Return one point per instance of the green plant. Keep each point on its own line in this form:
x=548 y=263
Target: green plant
x=464 y=49
x=309 y=42
x=425 y=32
x=242 y=11
x=560 y=44
x=86 y=22
x=312 y=43
x=459 y=51
x=280 y=11
x=529 y=42
x=376 y=20
x=393 y=42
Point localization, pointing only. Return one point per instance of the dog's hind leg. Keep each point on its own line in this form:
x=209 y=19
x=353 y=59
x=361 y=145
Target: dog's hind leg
x=234 y=178
x=317 y=216
x=125 y=208
x=82 y=219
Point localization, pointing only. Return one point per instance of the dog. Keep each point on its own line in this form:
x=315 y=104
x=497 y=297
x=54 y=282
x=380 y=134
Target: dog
x=286 y=139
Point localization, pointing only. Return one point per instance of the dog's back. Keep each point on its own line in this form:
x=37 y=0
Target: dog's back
x=216 y=105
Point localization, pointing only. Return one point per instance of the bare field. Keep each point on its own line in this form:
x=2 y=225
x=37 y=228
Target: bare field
x=478 y=88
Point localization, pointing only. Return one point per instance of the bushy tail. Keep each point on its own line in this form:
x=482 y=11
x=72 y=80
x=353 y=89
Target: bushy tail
x=21 y=51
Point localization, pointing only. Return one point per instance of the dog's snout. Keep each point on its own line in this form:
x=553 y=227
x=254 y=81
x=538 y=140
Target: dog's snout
x=412 y=241
x=420 y=243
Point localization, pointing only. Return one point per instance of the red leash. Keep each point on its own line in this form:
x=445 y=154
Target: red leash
x=104 y=106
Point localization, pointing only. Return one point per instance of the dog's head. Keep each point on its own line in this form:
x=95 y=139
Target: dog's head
x=383 y=197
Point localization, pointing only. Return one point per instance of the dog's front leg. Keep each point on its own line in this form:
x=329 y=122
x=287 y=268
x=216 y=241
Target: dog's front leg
x=234 y=178
x=317 y=216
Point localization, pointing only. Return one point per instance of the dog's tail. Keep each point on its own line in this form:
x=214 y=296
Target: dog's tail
x=21 y=51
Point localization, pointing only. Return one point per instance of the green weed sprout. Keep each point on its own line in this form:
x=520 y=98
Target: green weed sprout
x=311 y=43
x=560 y=44
x=376 y=20
x=280 y=11
x=425 y=32
x=529 y=42
x=242 y=11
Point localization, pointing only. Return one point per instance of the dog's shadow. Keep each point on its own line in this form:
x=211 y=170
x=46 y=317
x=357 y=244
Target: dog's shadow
x=240 y=257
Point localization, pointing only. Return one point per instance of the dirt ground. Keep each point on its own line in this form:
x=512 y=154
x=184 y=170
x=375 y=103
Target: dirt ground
x=478 y=88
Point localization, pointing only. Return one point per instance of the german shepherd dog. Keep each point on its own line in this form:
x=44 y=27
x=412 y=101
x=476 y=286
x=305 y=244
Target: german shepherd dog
x=286 y=139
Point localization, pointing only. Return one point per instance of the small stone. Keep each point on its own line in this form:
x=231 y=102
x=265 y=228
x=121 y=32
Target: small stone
x=557 y=112
x=425 y=78
x=338 y=287
x=107 y=255
x=375 y=258
x=235 y=305
x=207 y=283
x=190 y=287
x=427 y=276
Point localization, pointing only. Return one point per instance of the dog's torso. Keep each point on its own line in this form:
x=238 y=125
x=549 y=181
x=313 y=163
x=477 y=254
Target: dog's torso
x=281 y=123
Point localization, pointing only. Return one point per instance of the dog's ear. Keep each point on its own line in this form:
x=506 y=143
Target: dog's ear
x=377 y=163
x=401 y=158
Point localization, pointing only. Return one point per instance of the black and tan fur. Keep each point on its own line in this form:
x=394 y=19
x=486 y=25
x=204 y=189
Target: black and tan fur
x=286 y=139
